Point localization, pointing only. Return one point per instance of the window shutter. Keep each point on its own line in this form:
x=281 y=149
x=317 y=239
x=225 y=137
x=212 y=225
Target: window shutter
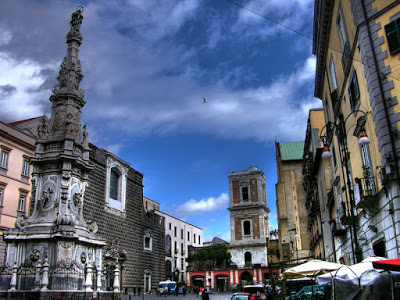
x=393 y=36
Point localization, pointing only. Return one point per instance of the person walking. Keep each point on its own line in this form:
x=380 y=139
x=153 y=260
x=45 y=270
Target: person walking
x=134 y=291
x=139 y=289
x=184 y=290
x=204 y=295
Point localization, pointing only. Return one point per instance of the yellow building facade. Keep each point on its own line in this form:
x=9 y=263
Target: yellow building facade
x=16 y=150
x=357 y=45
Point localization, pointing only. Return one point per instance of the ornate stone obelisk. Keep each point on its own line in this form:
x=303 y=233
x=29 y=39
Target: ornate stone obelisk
x=56 y=233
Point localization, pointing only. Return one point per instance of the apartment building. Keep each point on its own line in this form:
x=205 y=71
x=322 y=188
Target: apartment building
x=16 y=150
x=357 y=45
x=179 y=235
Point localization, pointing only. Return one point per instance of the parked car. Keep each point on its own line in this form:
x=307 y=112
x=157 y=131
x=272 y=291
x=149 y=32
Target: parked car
x=317 y=291
x=254 y=289
x=240 y=296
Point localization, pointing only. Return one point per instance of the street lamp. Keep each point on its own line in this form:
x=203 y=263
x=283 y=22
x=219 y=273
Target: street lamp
x=340 y=131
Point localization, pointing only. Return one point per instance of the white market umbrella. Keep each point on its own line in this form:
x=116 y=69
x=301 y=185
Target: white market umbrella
x=350 y=273
x=311 y=268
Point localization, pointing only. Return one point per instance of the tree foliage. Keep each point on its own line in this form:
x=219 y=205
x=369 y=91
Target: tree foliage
x=215 y=255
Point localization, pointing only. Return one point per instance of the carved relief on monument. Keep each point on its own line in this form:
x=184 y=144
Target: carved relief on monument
x=21 y=222
x=58 y=123
x=43 y=129
x=35 y=255
x=72 y=123
x=47 y=199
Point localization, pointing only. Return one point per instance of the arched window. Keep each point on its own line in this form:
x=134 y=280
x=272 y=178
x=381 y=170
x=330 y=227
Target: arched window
x=247 y=258
x=114 y=184
x=168 y=245
x=246 y=227
x=117 y=172
x=168 y=269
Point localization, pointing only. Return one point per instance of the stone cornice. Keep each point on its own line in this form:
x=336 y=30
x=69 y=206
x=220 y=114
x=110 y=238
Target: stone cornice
x=322 y=17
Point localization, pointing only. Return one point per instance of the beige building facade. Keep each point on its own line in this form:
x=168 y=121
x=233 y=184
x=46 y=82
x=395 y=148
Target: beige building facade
x=16 y=150
x=294 y=233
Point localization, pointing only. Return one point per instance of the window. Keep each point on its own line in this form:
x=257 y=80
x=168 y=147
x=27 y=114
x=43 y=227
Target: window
x=392 y=31
x=181 y=233
x=2 y=188
x=247 y=258
x=194 y=238
x=199 y=240
x=367 y=169
x=25 y=167
x=168 y=246
x=327 y=111
x=379 y=248
x=168 y=269
x=22 y=201
x=246 y=228
x=354 y=92
x=114 y=178
x=341 y=27
x=117 y=171
x=245 y=193
x=182 y=249
x=148 y=241
x=188 y=236
x=332 y=75
x=176 y=248
x=170 y=226
x=175 y=231
x=4 y=151
x=334 y=157
x=182 y=263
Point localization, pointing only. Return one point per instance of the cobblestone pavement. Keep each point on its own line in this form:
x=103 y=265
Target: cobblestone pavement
x=214 y=296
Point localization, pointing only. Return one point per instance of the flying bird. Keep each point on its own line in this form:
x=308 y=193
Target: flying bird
x=204 y=100
x=278 y=33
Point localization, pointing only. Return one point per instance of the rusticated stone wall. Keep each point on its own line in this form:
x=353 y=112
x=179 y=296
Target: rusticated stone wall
x=128 y=227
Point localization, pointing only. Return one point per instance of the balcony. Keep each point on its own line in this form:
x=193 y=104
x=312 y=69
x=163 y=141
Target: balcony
x=365 y=194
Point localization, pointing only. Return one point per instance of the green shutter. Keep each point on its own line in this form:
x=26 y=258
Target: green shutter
x=393 y=36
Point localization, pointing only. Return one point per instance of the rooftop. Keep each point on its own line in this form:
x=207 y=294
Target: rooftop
x=291 y=151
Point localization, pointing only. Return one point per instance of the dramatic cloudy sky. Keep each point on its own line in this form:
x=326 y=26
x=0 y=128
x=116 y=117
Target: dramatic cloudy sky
x=147 y=66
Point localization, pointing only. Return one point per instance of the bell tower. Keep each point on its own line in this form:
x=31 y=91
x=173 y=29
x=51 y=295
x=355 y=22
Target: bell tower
x=248 y=218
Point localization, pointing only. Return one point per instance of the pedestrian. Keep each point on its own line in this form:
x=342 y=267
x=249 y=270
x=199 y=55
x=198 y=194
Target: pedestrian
x=158 y=291
x=139 y=290
x=176 y=291
x=184 y=291
x=165 y=291
x=134 y=291
x=204 y=295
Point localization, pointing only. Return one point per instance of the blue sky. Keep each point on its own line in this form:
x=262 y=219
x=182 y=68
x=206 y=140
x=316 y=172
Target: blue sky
x=148 y=65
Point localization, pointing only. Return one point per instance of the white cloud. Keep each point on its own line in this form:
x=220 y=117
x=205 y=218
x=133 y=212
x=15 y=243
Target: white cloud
x=203 y=206
x=27 y=99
